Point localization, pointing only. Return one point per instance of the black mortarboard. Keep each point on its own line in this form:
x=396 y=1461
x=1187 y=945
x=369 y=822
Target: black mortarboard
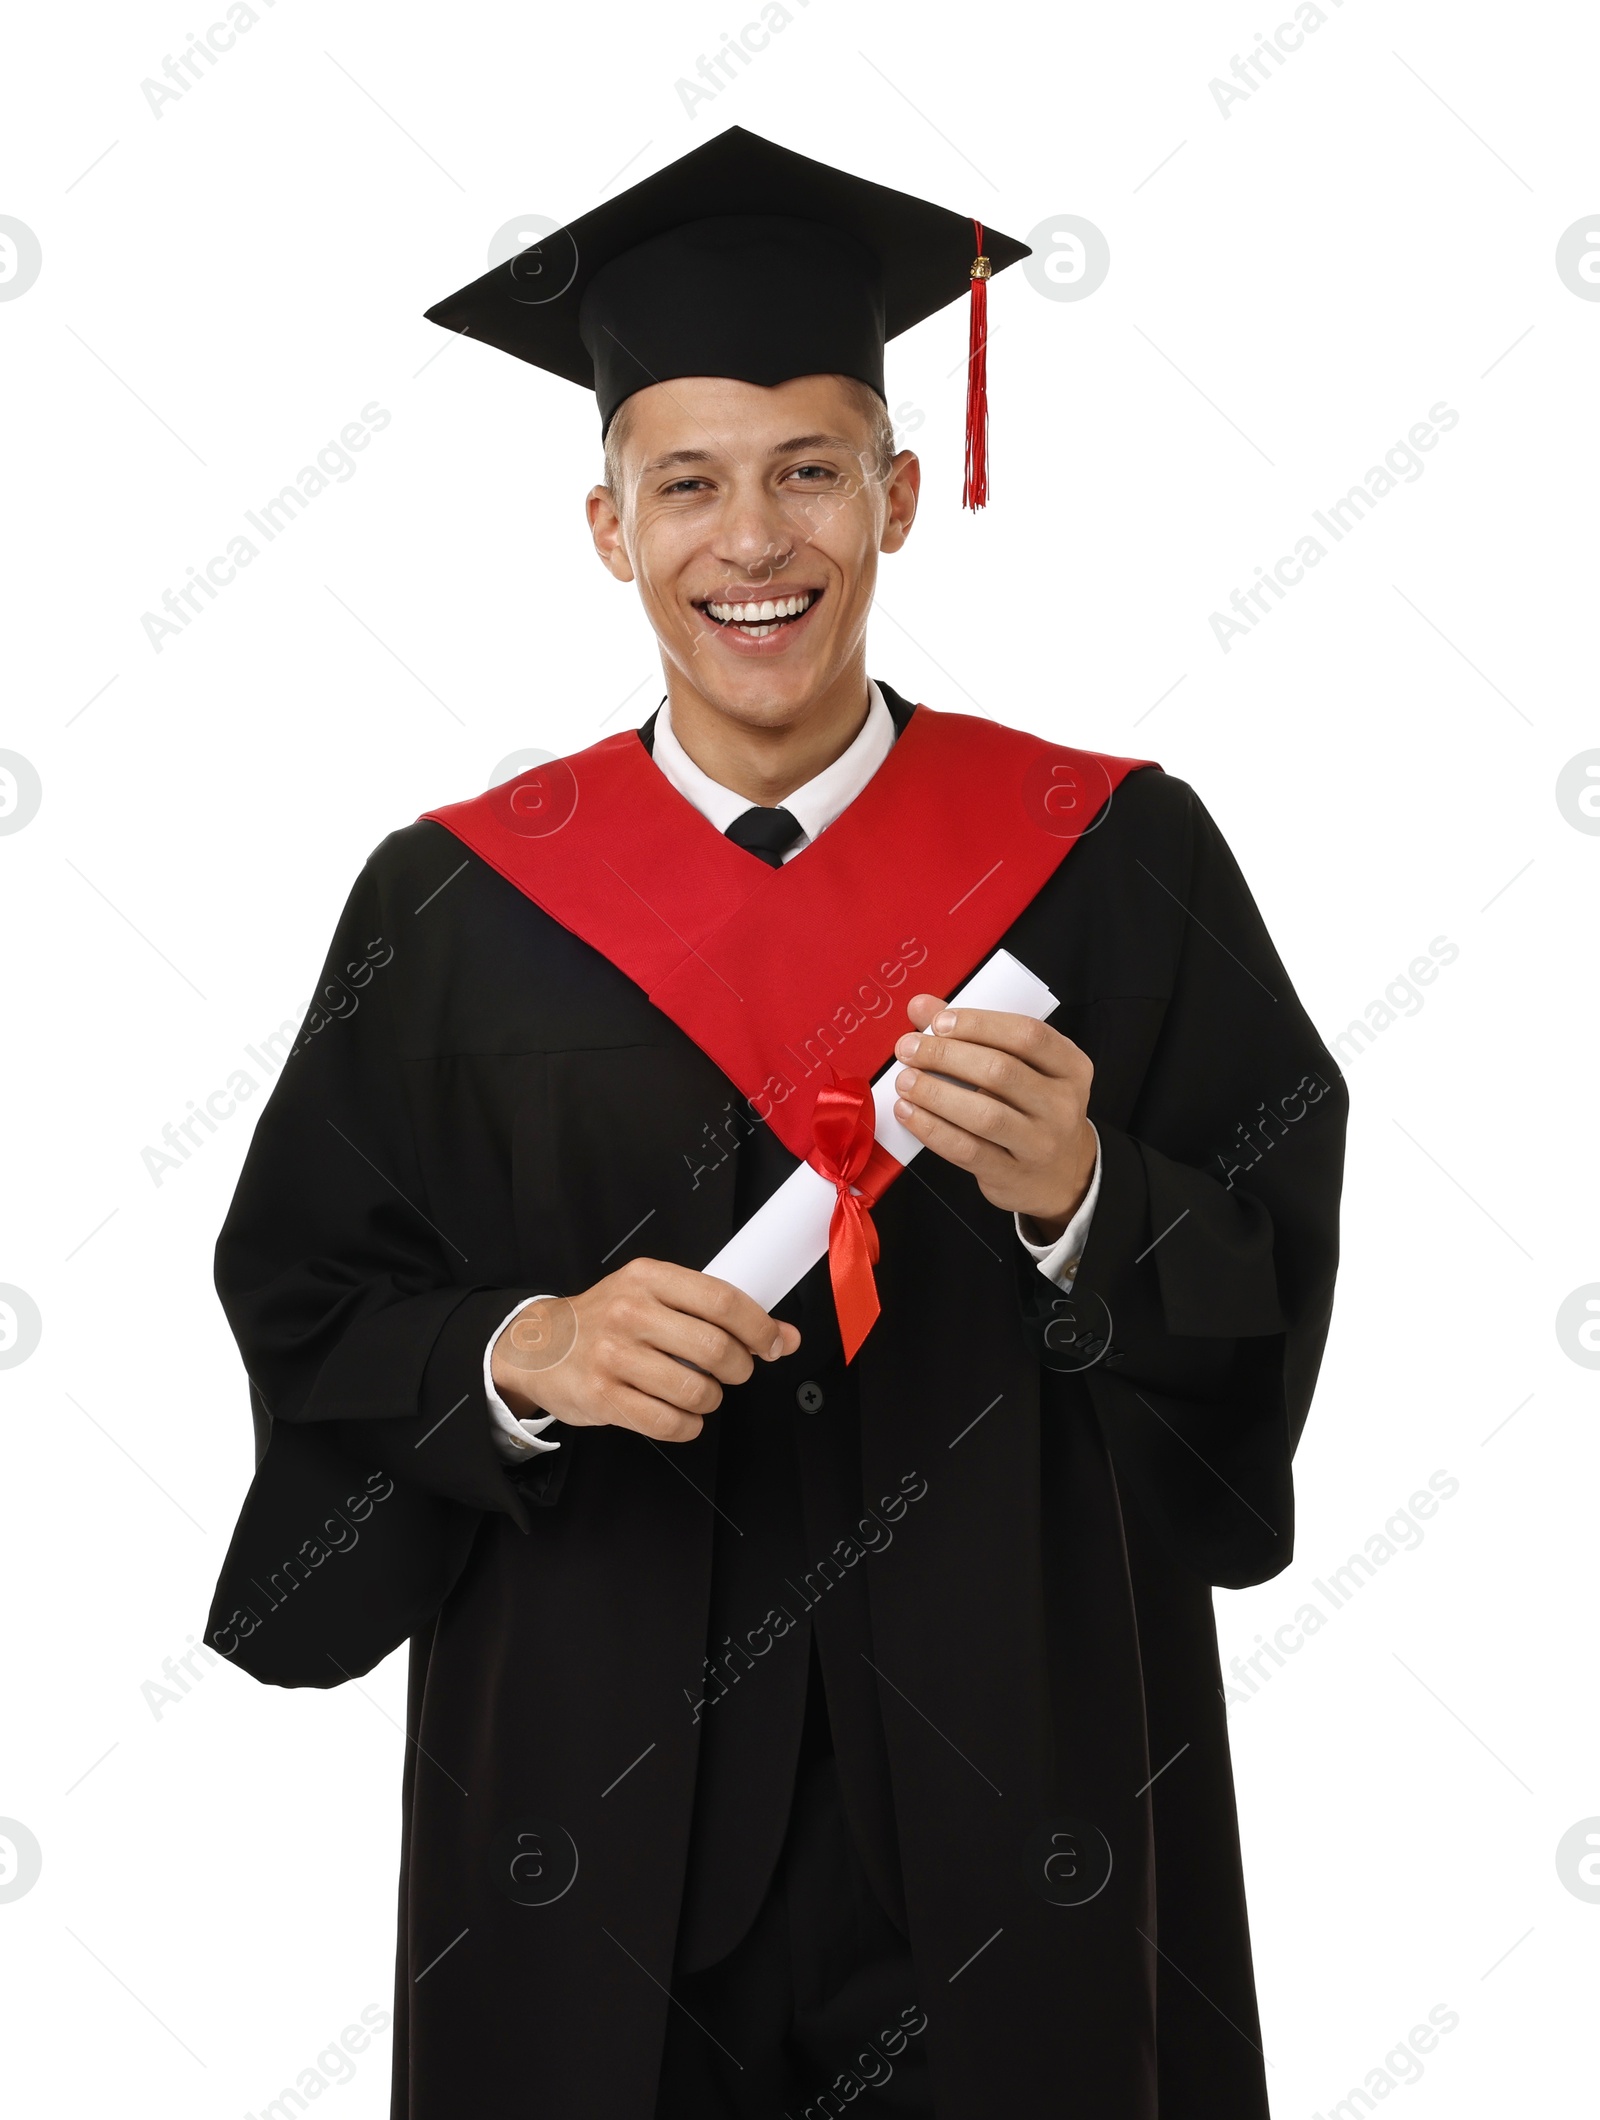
x=740 y=259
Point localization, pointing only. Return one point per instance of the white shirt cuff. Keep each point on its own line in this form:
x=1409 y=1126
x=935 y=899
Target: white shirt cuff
x=1058 y=1261
x=514 y=1439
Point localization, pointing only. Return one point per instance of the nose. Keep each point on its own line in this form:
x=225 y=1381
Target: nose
x=752 y=540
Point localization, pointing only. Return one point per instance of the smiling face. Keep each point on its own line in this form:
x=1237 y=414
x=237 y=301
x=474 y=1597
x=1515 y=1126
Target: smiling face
x=751 y=519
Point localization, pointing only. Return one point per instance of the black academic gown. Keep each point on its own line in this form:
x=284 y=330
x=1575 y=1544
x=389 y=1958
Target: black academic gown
x=1023 y=1498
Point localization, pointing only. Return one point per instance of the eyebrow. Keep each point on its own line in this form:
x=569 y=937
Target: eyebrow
x=680 y=456
x=811 y=441
x=795 y=442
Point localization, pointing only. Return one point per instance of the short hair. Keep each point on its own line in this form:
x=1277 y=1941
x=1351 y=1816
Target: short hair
x=878 y=455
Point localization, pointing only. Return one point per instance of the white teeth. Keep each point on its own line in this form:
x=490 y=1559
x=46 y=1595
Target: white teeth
x=762 y=614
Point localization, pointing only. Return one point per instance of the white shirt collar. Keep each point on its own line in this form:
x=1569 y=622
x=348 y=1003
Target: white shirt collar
x=814 y=806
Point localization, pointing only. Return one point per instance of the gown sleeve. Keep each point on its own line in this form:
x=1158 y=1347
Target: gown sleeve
x=1202 y=1303
x=362 y=1333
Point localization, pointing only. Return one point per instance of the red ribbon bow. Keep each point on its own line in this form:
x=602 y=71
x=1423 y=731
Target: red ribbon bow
x=845 y=1152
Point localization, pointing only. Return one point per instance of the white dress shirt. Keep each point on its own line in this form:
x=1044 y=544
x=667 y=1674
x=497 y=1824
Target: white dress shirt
x=813 y=807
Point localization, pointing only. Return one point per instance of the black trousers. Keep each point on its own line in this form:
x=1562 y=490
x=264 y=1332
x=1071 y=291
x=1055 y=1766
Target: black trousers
x=815 y=2012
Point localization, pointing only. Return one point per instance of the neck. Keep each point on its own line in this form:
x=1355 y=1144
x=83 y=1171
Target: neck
x=766 y=764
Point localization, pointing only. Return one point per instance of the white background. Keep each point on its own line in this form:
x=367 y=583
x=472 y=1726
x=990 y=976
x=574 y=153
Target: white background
x=1293 y=285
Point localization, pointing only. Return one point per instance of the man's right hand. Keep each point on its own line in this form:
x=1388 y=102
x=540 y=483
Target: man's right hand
x=616 y=1355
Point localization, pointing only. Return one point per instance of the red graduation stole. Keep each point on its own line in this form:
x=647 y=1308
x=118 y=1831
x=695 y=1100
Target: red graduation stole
x=793 y=980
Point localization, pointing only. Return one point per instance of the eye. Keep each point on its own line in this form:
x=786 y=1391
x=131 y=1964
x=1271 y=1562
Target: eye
x=809 y=474
x=684 y=485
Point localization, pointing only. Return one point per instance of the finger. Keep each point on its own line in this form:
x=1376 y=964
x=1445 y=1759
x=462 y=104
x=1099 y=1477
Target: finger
x=634 y=1317
x=719 y=1303
x=982 y=1067
x=955 y=1144
x=690 y=1339
x=1049 y=1052
x=649 y=1416
x=676 y=1384
x=969 y=1109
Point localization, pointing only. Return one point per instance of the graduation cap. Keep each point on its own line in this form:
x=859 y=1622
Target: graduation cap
x=741 y=259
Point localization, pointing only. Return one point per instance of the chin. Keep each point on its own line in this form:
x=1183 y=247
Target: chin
x=765 y=694
x=767 y=698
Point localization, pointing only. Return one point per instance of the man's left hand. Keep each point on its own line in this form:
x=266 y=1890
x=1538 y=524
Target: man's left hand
x=1014 y=1113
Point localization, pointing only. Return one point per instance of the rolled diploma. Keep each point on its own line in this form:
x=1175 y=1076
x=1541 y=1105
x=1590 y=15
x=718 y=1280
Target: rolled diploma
x=783 y=1240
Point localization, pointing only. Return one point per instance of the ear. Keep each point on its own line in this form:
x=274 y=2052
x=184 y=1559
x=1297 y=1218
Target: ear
x=605 y=527
x=900 y=500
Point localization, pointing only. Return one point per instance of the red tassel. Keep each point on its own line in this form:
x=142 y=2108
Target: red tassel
x=975 y=485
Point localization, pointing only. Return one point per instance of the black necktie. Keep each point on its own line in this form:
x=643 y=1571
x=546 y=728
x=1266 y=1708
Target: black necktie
x=768 y=834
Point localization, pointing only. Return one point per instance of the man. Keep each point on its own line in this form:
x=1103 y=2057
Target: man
x=812 y=1701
